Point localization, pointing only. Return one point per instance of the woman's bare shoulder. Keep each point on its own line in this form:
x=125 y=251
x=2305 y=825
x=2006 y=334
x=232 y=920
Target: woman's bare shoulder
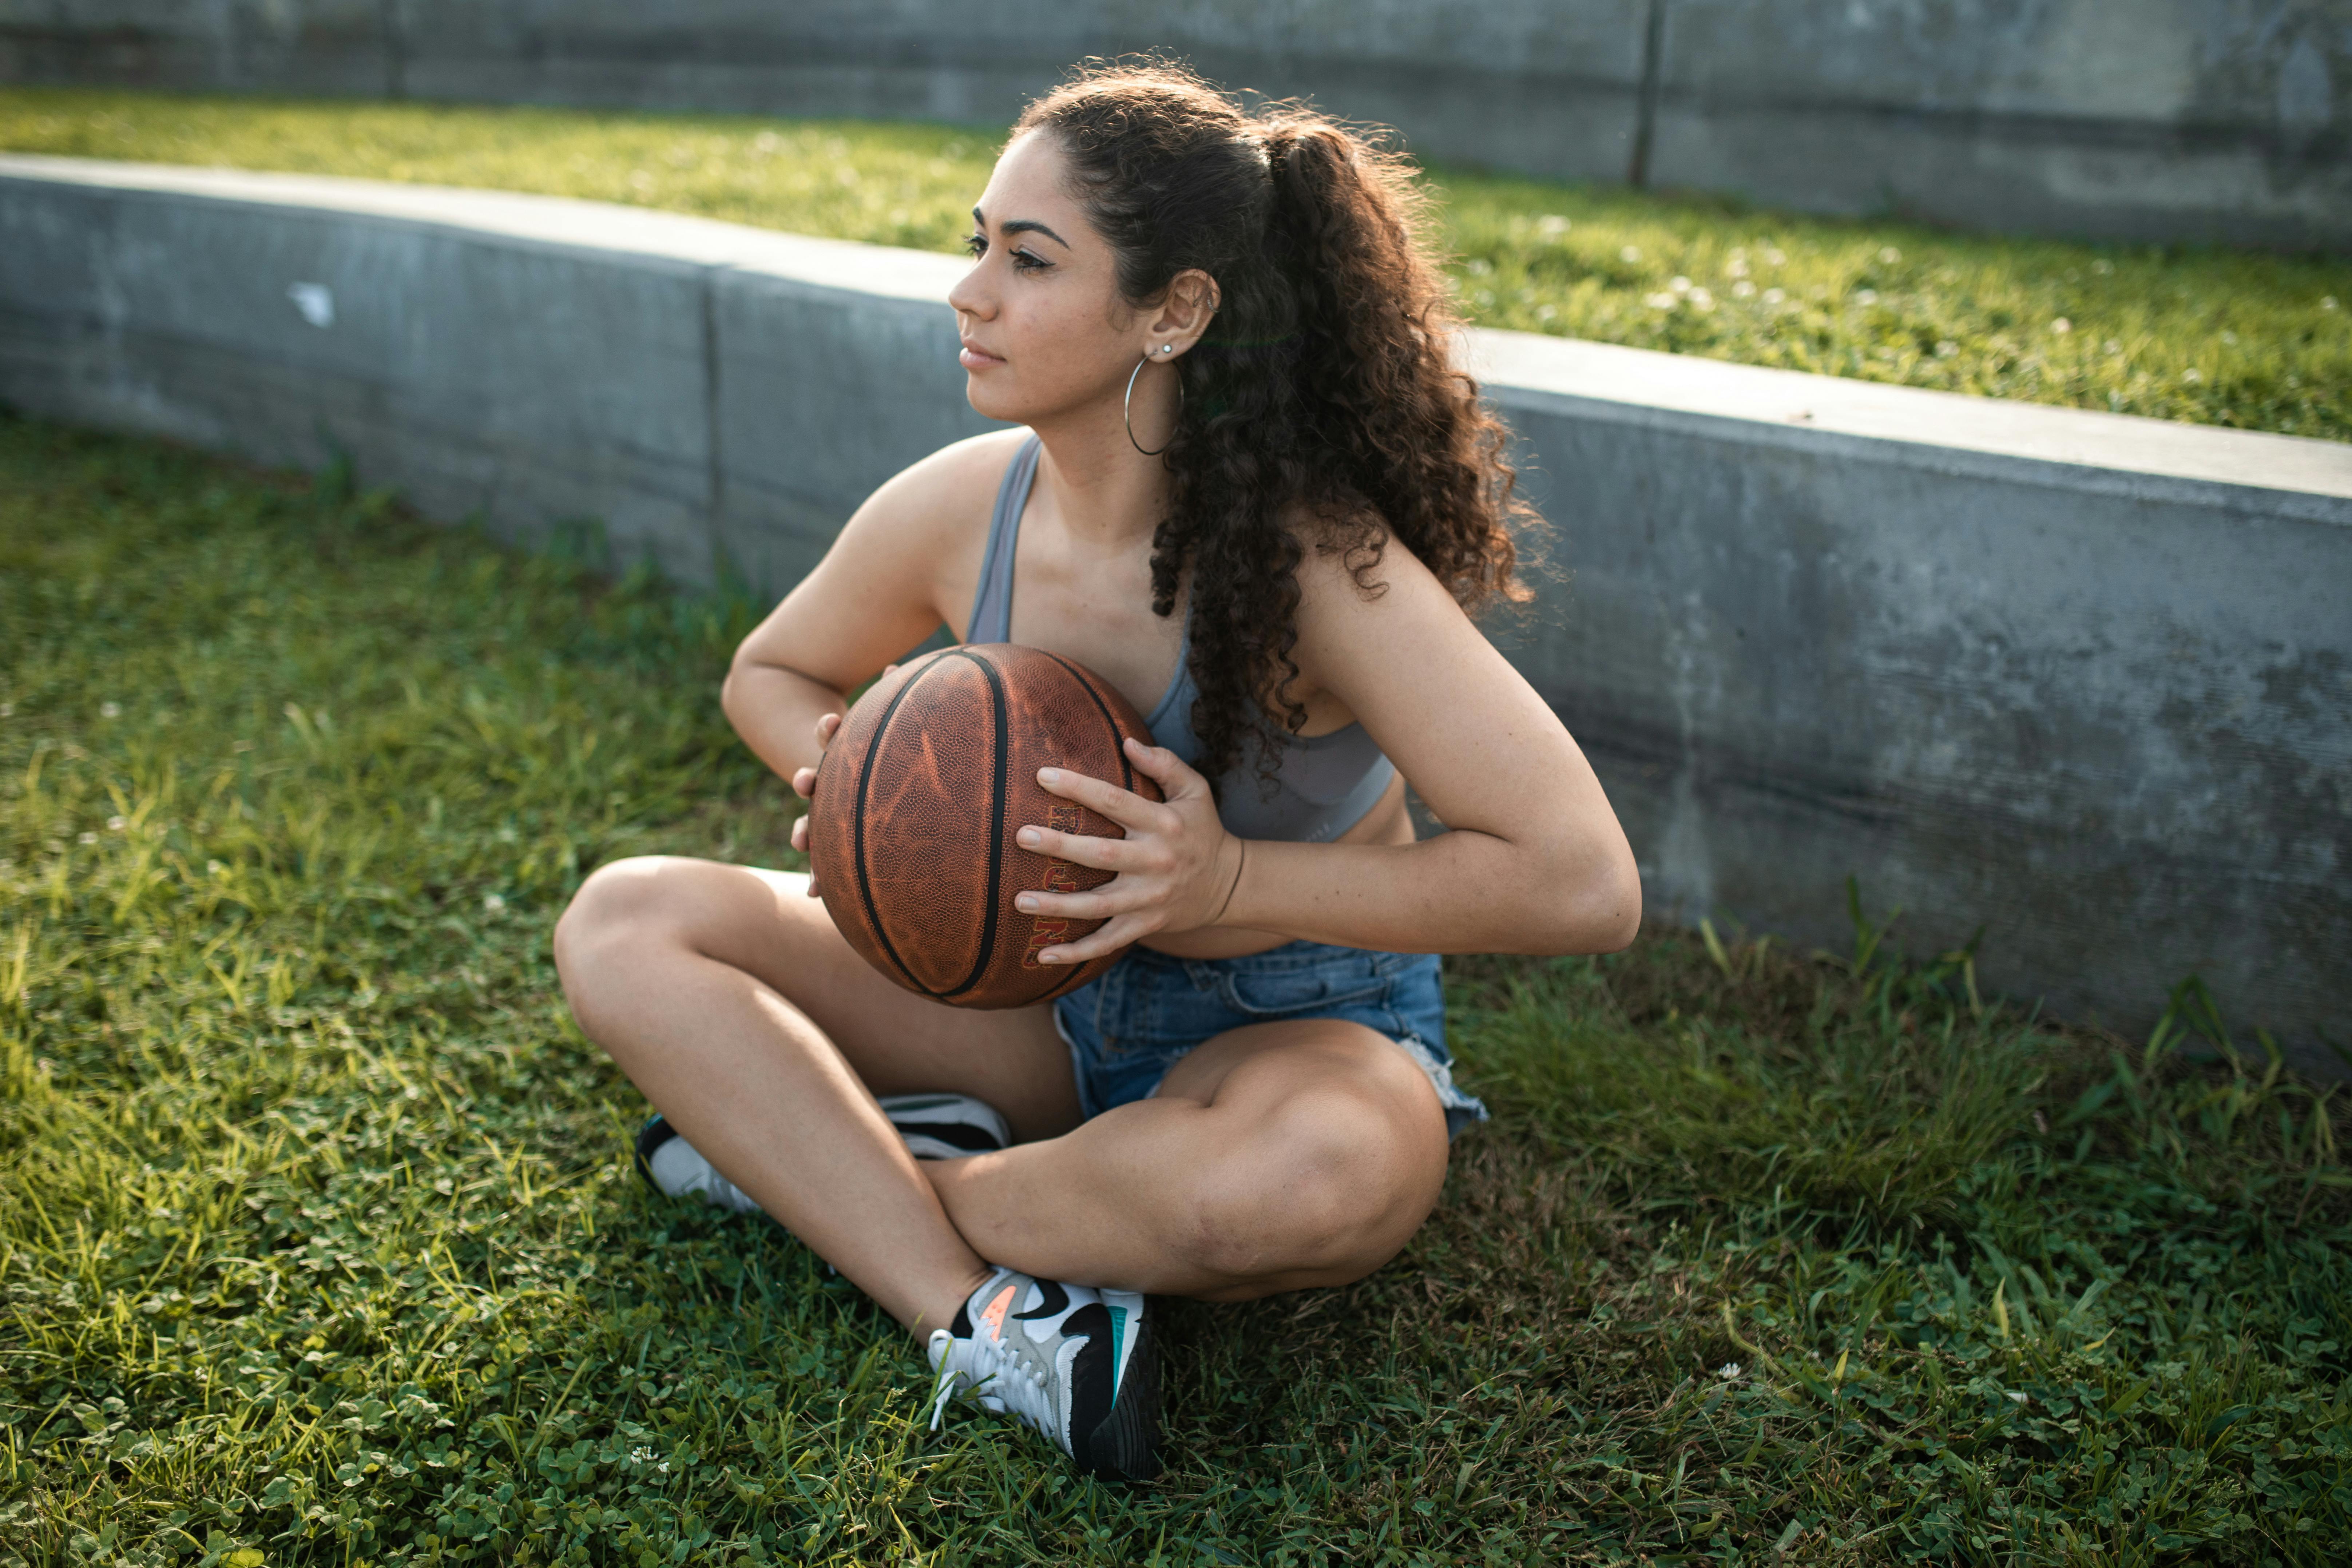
x=1365 y=600
x=1356 y=567
x=907 y=560
x=946 y=495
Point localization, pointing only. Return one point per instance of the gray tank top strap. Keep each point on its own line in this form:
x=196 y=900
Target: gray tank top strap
x=1322 y=787
x=991 y=606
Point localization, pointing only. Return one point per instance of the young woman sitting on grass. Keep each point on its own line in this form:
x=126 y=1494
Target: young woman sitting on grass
x=1252 y=495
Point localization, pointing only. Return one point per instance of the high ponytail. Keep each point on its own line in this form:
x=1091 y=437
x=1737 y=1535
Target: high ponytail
x=1320 y=410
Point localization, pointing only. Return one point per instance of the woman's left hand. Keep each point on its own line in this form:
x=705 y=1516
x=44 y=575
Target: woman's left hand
x=1176 y=868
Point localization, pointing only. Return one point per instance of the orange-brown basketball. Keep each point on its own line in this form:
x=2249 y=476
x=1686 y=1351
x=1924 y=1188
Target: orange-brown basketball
x=911 y=825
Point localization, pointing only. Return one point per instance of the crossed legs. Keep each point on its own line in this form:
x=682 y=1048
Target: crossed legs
x=1273 y=1157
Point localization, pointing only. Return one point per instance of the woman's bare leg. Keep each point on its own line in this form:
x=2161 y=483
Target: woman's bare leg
x=1273 y=1157
x=729 y=997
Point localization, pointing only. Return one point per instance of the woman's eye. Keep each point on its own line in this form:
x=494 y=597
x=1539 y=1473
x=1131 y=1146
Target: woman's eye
x=1023 y=260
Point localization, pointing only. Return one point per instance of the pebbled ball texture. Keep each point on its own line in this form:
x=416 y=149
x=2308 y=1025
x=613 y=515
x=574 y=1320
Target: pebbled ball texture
x=912 y=821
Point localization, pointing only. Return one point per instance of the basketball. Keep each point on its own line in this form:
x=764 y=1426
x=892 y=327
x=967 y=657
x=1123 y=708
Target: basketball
x=912 y=819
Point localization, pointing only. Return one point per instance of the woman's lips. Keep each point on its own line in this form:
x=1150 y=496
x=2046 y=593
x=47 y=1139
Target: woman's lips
x=972 y=358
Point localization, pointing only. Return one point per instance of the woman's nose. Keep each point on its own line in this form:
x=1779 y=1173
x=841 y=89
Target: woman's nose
x=968 y=297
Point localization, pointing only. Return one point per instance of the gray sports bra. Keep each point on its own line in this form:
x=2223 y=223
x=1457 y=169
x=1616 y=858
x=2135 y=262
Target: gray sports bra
x=1323 y=785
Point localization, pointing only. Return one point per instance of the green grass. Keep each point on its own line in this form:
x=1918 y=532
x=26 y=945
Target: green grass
x=318 y=1242
x=2257 y=341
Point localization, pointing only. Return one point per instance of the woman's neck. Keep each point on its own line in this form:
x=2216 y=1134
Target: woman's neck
x=1102 y=491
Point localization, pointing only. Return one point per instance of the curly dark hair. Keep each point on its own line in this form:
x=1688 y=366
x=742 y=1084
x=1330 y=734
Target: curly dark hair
x=1321 y=409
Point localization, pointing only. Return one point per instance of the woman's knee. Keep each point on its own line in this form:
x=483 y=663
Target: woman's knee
x=1325 y=1187
x=622 y=910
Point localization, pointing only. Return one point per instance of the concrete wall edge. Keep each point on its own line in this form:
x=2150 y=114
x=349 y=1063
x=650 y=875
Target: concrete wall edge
x=1953 y=462
x=1515 y=368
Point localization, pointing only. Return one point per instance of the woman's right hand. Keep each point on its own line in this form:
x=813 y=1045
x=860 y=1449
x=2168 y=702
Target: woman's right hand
x=805 y=779
x=804 y=785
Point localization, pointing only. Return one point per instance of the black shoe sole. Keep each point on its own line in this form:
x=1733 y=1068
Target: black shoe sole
x=655 y=1133
x=1126 y=1446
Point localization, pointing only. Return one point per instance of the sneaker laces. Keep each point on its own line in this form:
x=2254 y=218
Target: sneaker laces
x=998 y=1375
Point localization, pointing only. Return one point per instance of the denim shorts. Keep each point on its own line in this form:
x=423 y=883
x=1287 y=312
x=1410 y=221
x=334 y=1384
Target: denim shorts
x=1126 y=1029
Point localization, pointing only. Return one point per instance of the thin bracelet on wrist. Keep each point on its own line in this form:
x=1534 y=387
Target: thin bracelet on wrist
x=1240 y=865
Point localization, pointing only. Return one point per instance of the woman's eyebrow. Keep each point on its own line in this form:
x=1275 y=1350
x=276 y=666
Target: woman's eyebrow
x=1023 y=226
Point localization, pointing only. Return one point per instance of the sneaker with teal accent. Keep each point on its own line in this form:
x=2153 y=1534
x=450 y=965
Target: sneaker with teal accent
x=1078 y=1365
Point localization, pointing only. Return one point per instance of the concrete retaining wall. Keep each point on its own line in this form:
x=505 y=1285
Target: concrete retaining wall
x=2227 y=121
x=2082 y=679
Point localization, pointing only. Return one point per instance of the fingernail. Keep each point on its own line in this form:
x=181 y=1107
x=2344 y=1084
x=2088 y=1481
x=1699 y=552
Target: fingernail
x=1049 y=776
x=1049 y=958
x=1031 y=838
x=1026 y=905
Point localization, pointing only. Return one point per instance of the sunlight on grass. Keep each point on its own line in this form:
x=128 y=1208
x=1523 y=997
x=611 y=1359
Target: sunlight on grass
x=318 y=1242
x=2260 y=342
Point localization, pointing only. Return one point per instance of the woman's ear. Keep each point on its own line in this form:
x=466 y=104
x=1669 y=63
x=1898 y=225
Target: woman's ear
x=1185 y=311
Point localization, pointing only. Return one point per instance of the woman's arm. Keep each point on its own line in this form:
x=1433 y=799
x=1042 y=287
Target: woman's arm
x=878 y=593
x=1535 y=862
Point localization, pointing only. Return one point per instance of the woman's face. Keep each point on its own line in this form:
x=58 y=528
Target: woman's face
x=1044 y=330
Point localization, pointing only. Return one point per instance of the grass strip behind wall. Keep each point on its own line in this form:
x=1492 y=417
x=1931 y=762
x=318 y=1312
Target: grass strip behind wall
x=2249 y=340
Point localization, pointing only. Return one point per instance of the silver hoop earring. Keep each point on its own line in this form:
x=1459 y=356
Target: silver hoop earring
x=1127 y=408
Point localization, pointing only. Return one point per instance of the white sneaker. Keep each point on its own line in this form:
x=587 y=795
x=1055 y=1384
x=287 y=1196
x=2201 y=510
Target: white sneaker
x=947 y=1126
x=675 y=1168
x=935 y=1126
x=1078 y=1365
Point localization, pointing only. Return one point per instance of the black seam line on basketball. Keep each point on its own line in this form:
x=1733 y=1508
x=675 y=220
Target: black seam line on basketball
x=857 y=827
x=996 y=829
x=1070 y=981
x=1126 y=770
